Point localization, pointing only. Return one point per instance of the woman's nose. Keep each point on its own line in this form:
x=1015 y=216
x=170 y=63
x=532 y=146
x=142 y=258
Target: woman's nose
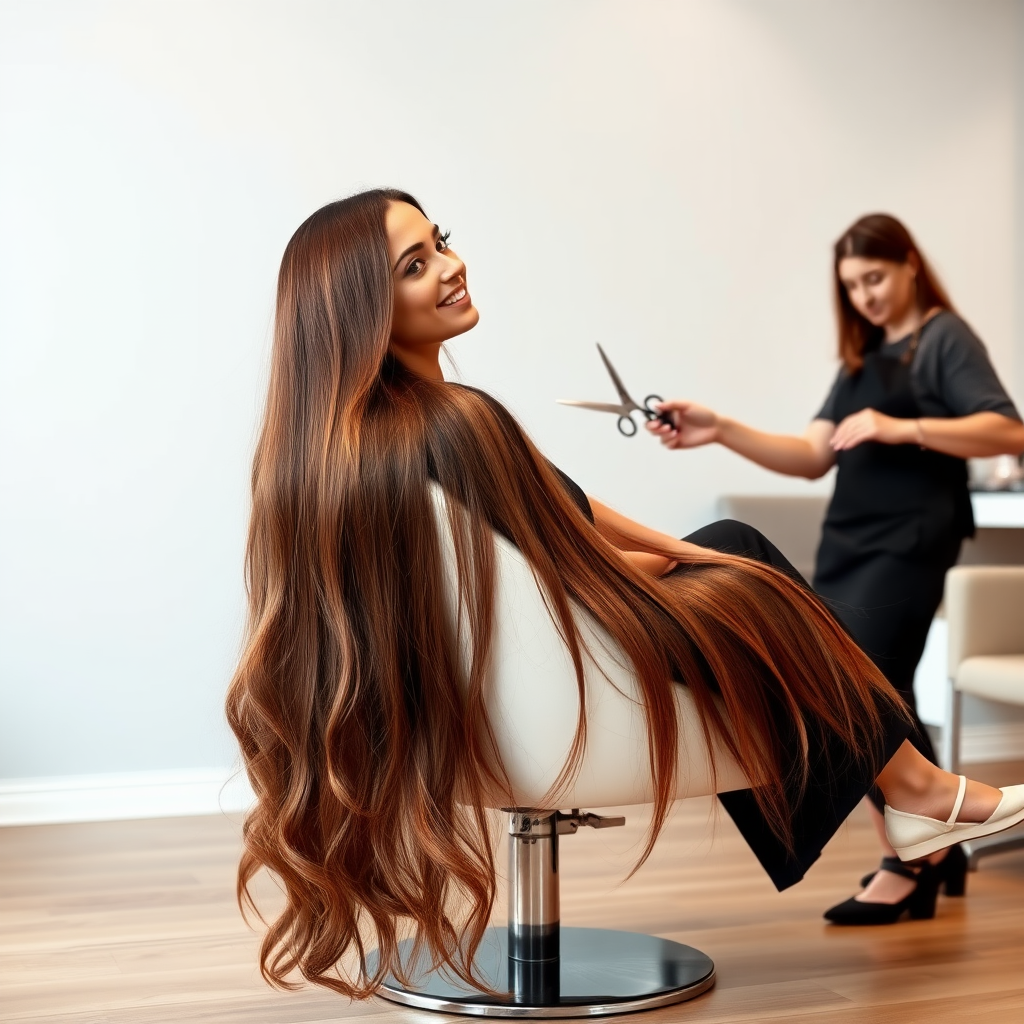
x=453 y=267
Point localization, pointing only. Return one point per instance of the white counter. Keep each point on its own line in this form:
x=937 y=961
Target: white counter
x=998 y=509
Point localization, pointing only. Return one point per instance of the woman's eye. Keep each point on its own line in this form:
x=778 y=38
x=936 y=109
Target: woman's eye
x=442 y=242
x=415 y=266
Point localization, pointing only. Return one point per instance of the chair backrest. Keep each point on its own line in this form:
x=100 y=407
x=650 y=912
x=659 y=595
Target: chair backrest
x=985 y=611
x=533 y=702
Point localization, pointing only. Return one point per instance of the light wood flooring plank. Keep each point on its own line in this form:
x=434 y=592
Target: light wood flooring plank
x=135 y=923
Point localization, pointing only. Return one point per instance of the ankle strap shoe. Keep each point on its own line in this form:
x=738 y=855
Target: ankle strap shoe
x=920 y=901
x=952 y=871
x=916 y=835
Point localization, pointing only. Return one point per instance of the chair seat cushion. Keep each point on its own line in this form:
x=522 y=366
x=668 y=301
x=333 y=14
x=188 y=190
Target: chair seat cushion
x=994 y=677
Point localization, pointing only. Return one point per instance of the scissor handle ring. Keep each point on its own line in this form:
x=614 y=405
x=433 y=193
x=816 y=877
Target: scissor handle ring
x=632 y=426
x=653 y=414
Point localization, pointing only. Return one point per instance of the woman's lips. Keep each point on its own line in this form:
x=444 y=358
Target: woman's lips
x=458 y=297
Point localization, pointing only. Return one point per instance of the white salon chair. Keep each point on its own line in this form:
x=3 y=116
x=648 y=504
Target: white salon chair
x=535 y=967
x=985 y=614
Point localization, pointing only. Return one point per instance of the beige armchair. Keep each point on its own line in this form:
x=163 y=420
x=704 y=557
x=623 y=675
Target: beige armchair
x=985 y=613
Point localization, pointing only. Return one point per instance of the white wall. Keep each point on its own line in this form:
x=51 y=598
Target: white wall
x=666 y=178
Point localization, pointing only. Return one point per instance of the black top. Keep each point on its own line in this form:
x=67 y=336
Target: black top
x=575 y=492
x=950 y=376
x=899 y=499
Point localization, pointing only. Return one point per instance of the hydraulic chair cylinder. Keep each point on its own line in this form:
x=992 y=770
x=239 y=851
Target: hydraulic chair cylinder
x=533 y=907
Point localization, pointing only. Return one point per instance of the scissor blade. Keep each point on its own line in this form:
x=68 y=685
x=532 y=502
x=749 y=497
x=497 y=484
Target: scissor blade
x=617 y=381
x=619 y=410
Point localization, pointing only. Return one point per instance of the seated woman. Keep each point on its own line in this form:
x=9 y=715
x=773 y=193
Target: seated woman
x=363 y=734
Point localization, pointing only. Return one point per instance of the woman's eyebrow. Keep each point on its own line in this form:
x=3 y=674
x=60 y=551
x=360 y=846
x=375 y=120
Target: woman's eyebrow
x=435 y=233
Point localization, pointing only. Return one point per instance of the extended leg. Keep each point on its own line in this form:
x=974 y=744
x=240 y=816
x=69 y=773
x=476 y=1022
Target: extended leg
x=912 y=783
x=923 y=818
x=827 y=801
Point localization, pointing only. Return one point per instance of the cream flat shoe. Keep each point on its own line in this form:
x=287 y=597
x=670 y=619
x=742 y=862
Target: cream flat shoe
x=915 y=835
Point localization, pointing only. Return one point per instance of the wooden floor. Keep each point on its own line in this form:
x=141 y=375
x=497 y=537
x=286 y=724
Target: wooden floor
x=135 y=922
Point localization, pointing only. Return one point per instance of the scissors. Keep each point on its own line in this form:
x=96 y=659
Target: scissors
x=626 y=407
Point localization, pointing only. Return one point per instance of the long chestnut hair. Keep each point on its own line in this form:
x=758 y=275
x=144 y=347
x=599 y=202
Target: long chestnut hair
x=363 y=734
x=881 y=237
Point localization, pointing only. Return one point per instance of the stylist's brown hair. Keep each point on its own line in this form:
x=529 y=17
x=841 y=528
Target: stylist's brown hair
x=364 y=737
x=881 y=237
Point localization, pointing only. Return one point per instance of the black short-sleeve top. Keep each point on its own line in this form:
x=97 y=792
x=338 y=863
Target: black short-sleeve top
x=951 y=374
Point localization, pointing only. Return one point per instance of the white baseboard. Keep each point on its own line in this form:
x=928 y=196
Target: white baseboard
x=155 y=794
x=168 y=794
x=57 y=799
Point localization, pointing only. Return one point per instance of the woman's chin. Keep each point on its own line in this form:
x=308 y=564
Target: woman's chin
x=468 y=319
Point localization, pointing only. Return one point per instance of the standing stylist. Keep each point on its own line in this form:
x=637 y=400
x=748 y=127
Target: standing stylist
x=915 y=397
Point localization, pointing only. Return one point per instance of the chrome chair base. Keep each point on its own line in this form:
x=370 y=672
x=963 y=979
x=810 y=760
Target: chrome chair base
x=599 y=973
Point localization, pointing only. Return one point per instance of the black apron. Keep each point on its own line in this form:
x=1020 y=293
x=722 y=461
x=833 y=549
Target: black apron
x=898 y=499
x=893 y=528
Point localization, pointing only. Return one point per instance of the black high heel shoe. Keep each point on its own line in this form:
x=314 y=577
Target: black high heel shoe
x=920 y=903
x=952 y=870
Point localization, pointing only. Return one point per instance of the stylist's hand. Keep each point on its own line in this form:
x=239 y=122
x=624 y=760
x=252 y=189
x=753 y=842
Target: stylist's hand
x=871 y=425
x=692 y=425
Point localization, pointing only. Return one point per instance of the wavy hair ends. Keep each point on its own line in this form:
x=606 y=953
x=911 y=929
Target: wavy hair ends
x=882 y=237
x=365 y=738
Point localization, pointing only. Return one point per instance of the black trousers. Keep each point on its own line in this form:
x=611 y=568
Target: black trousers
x=830 y=795
x=887 y=603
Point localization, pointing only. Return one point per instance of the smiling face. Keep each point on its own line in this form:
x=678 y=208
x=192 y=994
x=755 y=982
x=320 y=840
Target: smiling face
x=432 y=302
x=882 y=291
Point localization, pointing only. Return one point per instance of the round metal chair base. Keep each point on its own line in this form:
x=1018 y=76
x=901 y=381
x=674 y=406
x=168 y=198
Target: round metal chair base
x=599 y=972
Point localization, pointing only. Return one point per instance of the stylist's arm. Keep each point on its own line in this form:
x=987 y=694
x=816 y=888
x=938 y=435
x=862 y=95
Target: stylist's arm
x=975 y=436
x=809 y=454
